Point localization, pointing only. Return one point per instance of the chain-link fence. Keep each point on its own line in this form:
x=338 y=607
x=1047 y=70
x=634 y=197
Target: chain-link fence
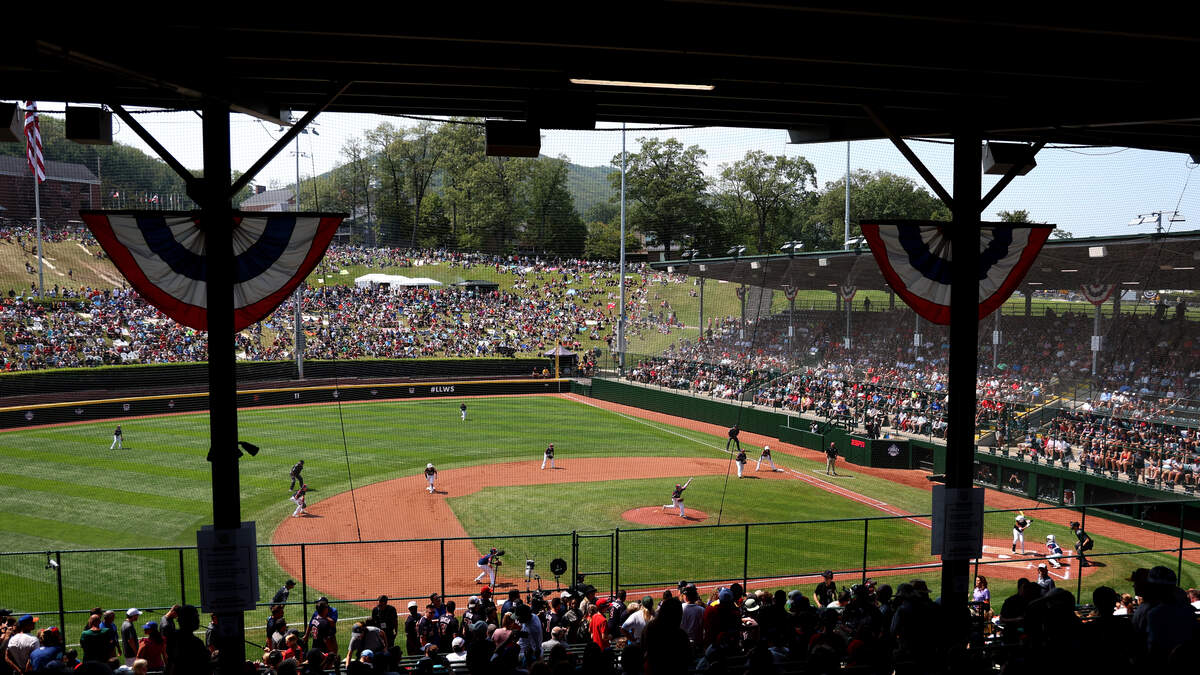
x=791 y=554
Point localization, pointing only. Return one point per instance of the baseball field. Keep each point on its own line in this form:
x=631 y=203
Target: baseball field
x=63 y=489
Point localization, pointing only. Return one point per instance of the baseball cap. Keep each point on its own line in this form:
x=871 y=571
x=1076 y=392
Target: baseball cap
x=473 y=600
x=485 y=589
x=133 y=611
x=647 y=602
x=27 y=618
x=150 y=624
x=457 y=642
x=828 y=574
x=427 y=647
x=1041 y=566
x=368 y=653
x=433 y=596
x=412 y=603
x=5 y=611
x=1139 y=575
x=501 y=636
x=725 y=596
x=751 y=605
x=603 y=602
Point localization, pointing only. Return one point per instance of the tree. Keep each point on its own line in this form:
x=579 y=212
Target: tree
x=876 y=195
x=420 y=149
x=392 y=202
x=768 y=188
x=359 y=173
x=604 y=241
x=554 y=226
x=494 y=208
x=462 y=141
x=1018 y=216
x=665 y=187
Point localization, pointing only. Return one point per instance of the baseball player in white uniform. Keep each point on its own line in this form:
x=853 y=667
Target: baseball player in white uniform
x=299 y=501
x=1053 y=551
x=1022 y=523
x=766 y=454
x=741 y=461
x=117 y=439
x=548 y=456
x=489 y=570
x=430 y=476
x=677 y=497
x=463 y=409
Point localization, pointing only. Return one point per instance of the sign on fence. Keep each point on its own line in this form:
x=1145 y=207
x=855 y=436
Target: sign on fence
x=228 y=568
x=957 y=523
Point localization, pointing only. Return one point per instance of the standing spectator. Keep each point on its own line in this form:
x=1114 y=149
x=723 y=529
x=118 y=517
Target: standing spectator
x=530 y=634
x=276 y=627
x=152 y=648
x=450 y=627
x=365 y=638
x=1114 y=633
x=598 y=622
x=637 y=620
x=384 y=616
x=826 y=591
x=1164 y=619
x=129 y=635
x=429 y=629
x=557 y=637
x=50 y=652
x=322 y=632
x=693 y=615
x=186 y=653
x=665 y=645
x=1044 y=580
x=94 y=642
x=21 y=644
x=412 y=644
x=108 y=625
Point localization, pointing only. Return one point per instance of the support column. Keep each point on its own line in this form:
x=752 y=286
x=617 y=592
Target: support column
x=1095 y=340
x=701 y=307
x=996 y=339
x=1028 y=302
x=891 y=299
x=217 y=216
x=964 y=340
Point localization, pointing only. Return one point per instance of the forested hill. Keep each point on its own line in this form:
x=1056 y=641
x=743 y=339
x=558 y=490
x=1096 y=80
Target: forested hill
x=589 y=185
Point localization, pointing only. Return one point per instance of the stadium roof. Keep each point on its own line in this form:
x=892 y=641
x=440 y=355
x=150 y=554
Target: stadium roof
x=1149 y=261
x=1107 y=75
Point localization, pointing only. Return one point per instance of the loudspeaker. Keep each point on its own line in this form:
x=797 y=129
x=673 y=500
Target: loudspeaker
x=11 y=123
x=999 y=158
x=512 y=139
x=89 y=126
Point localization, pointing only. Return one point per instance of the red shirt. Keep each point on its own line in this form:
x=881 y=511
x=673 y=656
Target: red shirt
x=599 y=625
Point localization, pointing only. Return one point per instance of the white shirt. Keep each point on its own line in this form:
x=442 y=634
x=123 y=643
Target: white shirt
x=21 y=645
x=692 y=622
x=635 y=624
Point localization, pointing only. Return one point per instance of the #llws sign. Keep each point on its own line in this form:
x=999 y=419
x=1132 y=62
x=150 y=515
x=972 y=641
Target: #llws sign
x=164 y=255
x=915 y=257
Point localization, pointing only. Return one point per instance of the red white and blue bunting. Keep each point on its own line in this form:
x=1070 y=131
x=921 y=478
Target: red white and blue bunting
x=1097 y=294
x=915 y=258
x=164 y=256
x=847 y=293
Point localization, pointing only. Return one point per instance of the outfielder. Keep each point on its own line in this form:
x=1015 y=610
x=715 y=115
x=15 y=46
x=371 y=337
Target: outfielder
x=548 y=456
x=117 y=439
x=295 y=474
x=677 y=497
x=741 y=461
x=299 y=501
x=1053 y=551
x=463 y=409
x=1019 y=527
x=489 y=570
x=766 y=454
x=430 y=476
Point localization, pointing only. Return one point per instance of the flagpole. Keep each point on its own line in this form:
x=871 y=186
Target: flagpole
x=37 y=219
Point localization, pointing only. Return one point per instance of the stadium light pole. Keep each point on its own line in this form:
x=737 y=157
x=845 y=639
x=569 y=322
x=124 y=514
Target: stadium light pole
x=736 y=252
x=621 y=314
x=690 y=255
x=298 y=300
x=789 y=290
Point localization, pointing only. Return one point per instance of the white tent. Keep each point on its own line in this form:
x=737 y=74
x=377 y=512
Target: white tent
x=376 y=279
x=418 y=281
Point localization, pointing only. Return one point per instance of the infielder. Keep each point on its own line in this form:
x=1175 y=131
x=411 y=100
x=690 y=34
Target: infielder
x=548 y=456
x=1019 y=527
x=430 y=476
x=117 y=439
x=741 y=461
x=299 y=501
x=733 y=438
x=766 y=454
x=677 y=497
x=297 y=468
x=489 y=570
x=463 y=409
x=1053 y=551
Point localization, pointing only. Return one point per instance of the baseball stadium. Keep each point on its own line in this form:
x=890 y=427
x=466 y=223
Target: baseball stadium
x=600 y=350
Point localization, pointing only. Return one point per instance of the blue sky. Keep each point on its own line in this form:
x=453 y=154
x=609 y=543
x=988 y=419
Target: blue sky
x=1088 y=192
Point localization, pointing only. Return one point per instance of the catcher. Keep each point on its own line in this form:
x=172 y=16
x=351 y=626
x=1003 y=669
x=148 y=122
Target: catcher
x=488 y=564
x=677 y=497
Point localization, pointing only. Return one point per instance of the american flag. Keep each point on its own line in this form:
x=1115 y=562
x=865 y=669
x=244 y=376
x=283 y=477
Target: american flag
x=33 y=142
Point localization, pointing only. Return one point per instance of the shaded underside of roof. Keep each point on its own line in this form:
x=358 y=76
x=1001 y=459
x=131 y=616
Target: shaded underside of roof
x=1168 y=261
x=1103 y=76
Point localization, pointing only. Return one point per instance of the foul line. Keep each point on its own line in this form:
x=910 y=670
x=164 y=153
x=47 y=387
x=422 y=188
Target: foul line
x=816 y=482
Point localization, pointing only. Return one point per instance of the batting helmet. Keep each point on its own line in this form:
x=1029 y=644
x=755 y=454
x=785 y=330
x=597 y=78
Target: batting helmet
x=429 y=465
x=1050 y=538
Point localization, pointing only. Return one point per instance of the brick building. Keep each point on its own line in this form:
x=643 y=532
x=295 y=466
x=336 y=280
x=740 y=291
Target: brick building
x=67 y=189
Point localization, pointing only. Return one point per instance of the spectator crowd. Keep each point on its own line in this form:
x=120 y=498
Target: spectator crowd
x=861 y=628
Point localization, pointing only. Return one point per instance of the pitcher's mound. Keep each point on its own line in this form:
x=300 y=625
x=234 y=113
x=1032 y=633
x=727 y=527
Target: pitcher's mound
x=657 y=515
